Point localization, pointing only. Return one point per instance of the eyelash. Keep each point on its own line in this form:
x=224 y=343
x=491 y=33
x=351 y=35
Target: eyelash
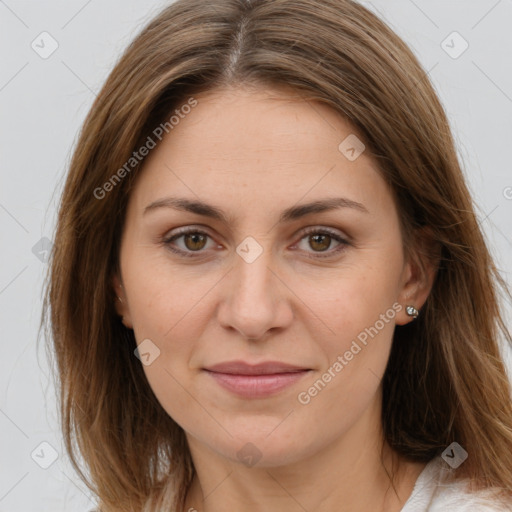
x=316 y=231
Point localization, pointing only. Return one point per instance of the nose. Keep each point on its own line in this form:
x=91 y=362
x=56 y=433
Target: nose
x=255 y=300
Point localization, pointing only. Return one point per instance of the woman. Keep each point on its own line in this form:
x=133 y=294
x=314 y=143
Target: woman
x=269 y=289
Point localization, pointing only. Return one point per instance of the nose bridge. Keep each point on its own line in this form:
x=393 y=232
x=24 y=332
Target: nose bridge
x=252 y=305
x=252 y=274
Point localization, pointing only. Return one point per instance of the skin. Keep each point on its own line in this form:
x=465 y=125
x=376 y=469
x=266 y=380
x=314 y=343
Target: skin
x=253 y=153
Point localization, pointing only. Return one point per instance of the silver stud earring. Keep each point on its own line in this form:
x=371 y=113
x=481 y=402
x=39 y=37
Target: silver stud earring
x=120 y=300
x=412 y=311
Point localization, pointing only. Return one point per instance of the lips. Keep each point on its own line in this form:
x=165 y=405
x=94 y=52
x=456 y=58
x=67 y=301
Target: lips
x=255 y=380
x=243 y=368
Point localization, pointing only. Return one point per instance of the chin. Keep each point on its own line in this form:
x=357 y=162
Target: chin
x=263 y=447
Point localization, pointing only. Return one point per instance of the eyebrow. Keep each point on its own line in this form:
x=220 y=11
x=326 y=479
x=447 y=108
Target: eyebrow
x=292 y=213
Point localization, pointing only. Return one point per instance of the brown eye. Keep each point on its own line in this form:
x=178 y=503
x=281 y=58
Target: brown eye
x=191 y=241
x=194 y=241
x=320 y=242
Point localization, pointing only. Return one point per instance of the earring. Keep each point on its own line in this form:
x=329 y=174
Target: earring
x=120 y=300
x=412 y=311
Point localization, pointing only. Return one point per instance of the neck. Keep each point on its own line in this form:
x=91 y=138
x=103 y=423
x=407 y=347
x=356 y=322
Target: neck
x=351 y=474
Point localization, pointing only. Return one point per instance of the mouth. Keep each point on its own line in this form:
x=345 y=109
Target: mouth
x=256 y=380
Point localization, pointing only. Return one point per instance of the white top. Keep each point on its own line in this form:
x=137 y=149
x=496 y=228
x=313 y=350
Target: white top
x=430 y=494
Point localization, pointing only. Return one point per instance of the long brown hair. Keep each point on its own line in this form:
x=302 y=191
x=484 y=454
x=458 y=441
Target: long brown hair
x=445 y=380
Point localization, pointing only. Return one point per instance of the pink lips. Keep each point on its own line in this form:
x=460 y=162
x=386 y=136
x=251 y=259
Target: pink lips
x=255 y=381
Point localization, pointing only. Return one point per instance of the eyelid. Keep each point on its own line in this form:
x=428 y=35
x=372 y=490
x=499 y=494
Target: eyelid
x=326 y=230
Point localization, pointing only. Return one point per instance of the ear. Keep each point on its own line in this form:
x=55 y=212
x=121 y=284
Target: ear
x=419 y=273
x=121 y=302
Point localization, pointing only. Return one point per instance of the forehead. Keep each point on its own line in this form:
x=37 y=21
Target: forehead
x=259 y=121
x=262 y=145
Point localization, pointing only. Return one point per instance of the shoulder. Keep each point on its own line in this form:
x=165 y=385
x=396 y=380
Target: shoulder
x=432 y=493
x=456 y=498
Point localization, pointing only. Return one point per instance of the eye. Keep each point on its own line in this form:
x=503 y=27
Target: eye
x=320 y=239
x=195 y=240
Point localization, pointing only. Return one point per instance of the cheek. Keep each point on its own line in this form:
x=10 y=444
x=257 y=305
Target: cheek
x=161 y=298
x=361 y=335
x=356 y=297
x=170 y=314
x=359 y=307
x=169 y=307
x=355 y=357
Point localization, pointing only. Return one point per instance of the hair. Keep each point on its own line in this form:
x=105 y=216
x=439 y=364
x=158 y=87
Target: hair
x=445 y=380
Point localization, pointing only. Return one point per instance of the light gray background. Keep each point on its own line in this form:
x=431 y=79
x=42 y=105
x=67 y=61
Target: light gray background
x=43 y=103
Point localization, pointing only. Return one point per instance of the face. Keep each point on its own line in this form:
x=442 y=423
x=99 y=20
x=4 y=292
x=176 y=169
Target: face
x=264 y=279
